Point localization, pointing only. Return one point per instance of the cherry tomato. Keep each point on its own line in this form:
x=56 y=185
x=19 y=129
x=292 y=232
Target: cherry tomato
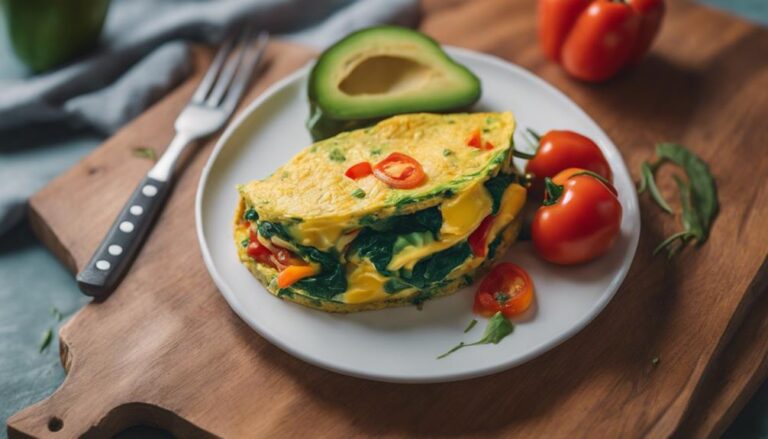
x=478 y=240
x=560 y=150
x=358 y=171
x=400 y=171
x=580 y=218
x=506 y=288
x=594 y=39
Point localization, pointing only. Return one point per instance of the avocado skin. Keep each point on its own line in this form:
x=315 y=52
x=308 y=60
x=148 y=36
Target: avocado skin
x=321 y=122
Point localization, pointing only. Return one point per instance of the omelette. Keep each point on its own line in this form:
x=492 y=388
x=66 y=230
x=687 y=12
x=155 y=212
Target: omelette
x=407 y=210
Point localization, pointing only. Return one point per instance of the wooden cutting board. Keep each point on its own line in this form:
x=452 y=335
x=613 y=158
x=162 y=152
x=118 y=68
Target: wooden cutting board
x=166 y=350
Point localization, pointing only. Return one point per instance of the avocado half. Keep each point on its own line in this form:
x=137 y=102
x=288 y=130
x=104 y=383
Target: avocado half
x=382 y=71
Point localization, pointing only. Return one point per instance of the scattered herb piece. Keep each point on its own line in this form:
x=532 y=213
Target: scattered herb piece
x=447 y=152
x=648 y=181
x=358 y=193
x=698 y=196
x=46 y=339
x=145 y=153
x=471 y=325
x=336 y=155
x=245 y=242
x=56 y=314
x=498 y=328
x=376 y=151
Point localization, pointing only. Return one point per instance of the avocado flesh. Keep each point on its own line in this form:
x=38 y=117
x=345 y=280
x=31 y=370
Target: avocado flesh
x=382 y=71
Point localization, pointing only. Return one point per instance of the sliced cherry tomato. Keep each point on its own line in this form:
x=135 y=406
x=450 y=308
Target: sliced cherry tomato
x=478 y=240
x=580 y=219
x=560 y=150
x=400 y=171
x=358 y=171
x=506 y=288
x=294 y=273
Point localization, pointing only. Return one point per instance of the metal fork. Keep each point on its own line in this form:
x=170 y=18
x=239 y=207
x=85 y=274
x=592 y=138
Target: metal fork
x=212 y=104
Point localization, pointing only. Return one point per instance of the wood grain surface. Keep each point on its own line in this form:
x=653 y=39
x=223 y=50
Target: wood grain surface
x=166 y=349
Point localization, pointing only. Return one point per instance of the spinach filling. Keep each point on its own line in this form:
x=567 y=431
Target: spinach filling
x=380 y=241
x=377 y=241
x=331 y=280
x=496 y=187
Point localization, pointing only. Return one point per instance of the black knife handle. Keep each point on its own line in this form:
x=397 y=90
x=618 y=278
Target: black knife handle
x=120 y=246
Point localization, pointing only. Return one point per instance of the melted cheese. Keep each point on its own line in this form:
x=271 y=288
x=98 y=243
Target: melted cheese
x=367 y=285
x=461 y=215
x=511 y=204
x=319 y=234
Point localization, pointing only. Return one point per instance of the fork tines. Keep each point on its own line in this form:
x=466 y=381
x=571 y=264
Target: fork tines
x=231 y=68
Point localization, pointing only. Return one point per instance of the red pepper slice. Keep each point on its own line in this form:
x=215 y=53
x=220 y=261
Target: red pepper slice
x=478 y=240
x=358 y=171
x=400 y=171
x=475 y=140
x=506 y=288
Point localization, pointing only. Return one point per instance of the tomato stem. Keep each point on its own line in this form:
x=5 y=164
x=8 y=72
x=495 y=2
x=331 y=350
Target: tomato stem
x=593 y=174
x=522 y=155
x=552 y=192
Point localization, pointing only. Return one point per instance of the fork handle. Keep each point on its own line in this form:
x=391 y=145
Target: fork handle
x=117 y=251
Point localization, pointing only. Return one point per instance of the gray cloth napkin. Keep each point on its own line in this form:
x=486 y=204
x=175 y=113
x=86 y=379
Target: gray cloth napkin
x=143 y=53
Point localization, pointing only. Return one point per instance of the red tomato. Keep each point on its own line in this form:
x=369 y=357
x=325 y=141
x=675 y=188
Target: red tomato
x=278 y=259
x=400 y=171
x=358 y=171
x=478 y=240
x=260 y=253
x=580 y=218
x=560 y=150
x=594 y=39
x=506 y=288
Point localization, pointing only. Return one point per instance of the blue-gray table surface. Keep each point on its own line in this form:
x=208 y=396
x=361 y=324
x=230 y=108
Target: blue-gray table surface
x=33 y=282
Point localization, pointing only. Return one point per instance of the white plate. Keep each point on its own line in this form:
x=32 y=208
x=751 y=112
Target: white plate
x=401 y=344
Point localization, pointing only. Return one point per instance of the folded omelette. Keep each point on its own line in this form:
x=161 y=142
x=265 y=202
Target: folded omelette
x=315 y=235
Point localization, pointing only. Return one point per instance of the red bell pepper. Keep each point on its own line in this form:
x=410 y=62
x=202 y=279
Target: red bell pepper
x=594 y=39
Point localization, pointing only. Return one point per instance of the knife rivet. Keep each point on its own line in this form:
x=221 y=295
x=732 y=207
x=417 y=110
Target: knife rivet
x=136 y=210
x=126 y=226
x=115 y=250
x=103 y=265
x=149 y=190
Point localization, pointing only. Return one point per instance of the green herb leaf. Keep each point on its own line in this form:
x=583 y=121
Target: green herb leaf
x=498 y=328
x=471 y=325
x=46 y=339
x=649 y=181
x=145 y=153
x=702 y=183
x=336 y=155
x=376 y=151
x=358 y=193
x=245 y=242
x=447 y=152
